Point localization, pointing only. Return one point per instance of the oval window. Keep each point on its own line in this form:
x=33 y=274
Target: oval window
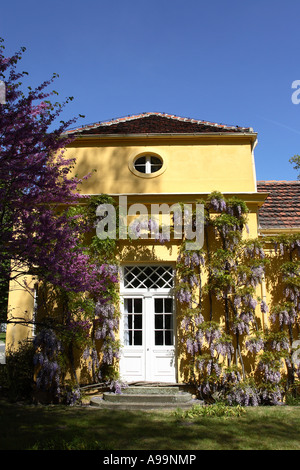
x=148 y=164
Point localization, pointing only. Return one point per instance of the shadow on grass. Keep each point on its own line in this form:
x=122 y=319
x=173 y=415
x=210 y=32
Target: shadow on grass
x=66 y=428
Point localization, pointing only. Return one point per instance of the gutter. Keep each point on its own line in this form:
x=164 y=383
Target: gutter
x=267 y=232
x=252 y=136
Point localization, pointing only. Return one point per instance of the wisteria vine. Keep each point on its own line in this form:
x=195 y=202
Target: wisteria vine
x=83 y=333
x=230 y=352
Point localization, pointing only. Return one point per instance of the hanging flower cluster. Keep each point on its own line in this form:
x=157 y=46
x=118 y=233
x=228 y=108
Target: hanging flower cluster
x=103 y=348
x=234 y=268
x=255 y=343
x=87 y=320
x=285 y=314
x=144 y=227
x=46 y=358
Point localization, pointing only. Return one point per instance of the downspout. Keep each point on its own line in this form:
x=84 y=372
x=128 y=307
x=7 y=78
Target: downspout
x=253 y=163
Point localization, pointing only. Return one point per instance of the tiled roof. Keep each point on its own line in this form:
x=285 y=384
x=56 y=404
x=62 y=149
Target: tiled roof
x=156 y=123
x=281 y=209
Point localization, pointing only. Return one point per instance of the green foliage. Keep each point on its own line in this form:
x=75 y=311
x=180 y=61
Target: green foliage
x=230 y=221
x=75 y=317
x=76 y=443
x=216 y=410
x=238 y=206
x=296 y=161
x=16 y=376
x=235 y=268
x=293 y=394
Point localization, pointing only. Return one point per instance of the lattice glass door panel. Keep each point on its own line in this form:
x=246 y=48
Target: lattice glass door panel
x=163 y=322
x=147 y=327
x=148 y=277
x=133 y=322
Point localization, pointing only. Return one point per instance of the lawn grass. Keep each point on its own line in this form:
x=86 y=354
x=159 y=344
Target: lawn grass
x=28 y=427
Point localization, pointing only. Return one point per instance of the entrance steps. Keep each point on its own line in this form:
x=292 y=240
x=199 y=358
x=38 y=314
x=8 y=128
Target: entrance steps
x=146 y=397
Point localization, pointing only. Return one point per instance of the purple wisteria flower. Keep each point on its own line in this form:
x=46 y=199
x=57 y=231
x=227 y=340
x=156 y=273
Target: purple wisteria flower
x=264 y=307
x=184 y=296
x=255 y=345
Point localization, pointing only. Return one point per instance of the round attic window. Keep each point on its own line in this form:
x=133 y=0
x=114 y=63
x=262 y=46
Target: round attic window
x=148 y=164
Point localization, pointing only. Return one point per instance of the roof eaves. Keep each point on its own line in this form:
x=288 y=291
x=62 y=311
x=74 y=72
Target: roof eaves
x=164 y=115
x=168 y=134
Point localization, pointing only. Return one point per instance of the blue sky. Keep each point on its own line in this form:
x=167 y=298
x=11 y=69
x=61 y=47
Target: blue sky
x=227 y=62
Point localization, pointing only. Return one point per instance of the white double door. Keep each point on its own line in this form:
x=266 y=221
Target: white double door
x=147 y=334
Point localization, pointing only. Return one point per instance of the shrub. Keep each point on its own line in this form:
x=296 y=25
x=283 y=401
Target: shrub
x=16 y=377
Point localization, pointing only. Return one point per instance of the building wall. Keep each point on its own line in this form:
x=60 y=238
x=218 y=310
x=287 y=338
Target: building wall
x=20 y=307
x=196 y=165
x=193 y=167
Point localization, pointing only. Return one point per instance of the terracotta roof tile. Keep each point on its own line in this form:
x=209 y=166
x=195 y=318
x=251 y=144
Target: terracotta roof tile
x=281 y=209
x=156 y=123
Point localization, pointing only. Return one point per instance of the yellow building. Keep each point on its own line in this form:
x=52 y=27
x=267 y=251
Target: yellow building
x=148 y=160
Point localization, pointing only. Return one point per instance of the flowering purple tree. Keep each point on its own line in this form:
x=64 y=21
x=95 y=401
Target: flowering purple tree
x=34 y=181
x=43 y=228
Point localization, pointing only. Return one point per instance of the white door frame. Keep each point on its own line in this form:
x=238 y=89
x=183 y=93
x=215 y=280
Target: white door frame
x=147 y=362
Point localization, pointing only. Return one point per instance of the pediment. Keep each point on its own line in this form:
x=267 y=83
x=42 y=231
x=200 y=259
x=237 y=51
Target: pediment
x=156 y=123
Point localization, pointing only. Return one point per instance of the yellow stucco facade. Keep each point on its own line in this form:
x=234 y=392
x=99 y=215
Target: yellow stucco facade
x=193 y=165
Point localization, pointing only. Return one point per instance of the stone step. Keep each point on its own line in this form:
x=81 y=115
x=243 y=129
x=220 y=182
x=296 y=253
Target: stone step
x=145 y=397
x=105 y=404
x=149 y=390
x=179 y=397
